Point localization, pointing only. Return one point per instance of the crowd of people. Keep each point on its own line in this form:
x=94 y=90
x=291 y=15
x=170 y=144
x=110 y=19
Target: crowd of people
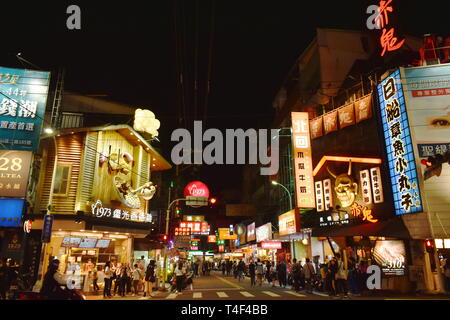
x=332 y=277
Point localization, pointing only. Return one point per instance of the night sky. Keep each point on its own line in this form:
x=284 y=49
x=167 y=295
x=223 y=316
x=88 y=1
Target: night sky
x=127 y=50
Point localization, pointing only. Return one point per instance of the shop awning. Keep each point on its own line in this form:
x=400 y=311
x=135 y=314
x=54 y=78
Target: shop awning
x=391 y=228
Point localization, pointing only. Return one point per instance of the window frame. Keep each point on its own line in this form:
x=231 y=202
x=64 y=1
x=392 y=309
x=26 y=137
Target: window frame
x=69 y=177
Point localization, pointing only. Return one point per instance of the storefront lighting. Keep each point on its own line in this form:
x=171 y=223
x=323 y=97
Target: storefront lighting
x=439 y=243
x=305 y=241
x=48 y=130
x=447 y=243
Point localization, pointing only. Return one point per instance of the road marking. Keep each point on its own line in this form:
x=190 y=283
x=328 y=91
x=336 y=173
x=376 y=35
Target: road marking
x=172 y=296
x=229 y=282
x=271 y=294
x=295 y=293
x=197 y=295
x=320 y=294
x=222 y=295
x=246 y=294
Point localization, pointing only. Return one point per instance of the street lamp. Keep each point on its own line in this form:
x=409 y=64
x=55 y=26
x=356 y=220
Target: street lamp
x=275 y=183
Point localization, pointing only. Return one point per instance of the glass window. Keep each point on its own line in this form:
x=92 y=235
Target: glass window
x=62 y=178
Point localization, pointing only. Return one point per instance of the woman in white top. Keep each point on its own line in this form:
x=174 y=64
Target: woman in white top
x=179 y=273
x=108 y=275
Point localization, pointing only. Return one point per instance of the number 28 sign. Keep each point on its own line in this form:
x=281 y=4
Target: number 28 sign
x=14 y=171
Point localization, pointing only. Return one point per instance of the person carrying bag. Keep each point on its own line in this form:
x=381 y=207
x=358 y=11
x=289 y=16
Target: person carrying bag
x=341 y=277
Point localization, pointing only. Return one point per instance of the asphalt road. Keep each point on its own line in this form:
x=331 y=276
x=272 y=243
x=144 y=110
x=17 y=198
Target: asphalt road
x=218 y=287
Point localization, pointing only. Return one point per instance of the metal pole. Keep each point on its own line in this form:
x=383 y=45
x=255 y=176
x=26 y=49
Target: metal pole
x=167 y=232
x=290 y=207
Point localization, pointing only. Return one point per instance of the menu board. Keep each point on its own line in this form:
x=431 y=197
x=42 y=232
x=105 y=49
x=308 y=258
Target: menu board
x=103 y=243
x=71 y=242
x=88 y=243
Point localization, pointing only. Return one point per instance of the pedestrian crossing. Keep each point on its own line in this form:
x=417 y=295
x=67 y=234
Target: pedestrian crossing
x=235 y=294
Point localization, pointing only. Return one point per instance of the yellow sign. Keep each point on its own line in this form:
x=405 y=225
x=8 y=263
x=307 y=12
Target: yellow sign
x=301 y=142
x=288 y=223
x=224 y=234
x=193 y=218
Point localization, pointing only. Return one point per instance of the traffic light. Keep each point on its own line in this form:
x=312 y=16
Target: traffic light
x=212 y=200
x=429 y=245
x=434 y=164
x=177 y=211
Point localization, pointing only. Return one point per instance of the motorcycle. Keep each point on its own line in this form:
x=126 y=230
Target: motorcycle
x=66 y=294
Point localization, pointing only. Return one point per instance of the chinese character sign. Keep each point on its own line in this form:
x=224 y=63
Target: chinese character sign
x=14 y=172
x=304 y=182
x=327 y=194
x=377 y=186
x=399 y=148
x=388 y=40
x=364 y=178
x=319 y=196
x=23 y=100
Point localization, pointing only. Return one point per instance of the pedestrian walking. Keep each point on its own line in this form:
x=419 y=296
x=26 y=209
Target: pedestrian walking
x=150 y=279
x=252 y=273
x=331 y=277
x=229 y=267
x=268 y=271
x=341 y=277
x=447 y=274
x=282 y=273
x=259 y=272
x=309 y=275
x=273 y=274
x=107 y=280
x=296 y=274
x=137 y=277
x=240 y=270
x=353 y=275
x=179 y=272
x=224 y=268
x=95 y=279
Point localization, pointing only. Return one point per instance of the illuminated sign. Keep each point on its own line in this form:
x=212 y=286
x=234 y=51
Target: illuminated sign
x=194 y=218
x=220 y=242
x=304 y=182
x=251 y=229
x=399 y=149
x=377 y=187
x=271 y=245
x=14 y=173
x=364 y=178
x=197 y=227
x=327 y=194
x=289 y=223
x=391 y=256
x=196 y=189
x=319 y=196
x=11 y=212
x=99 y=211
x=221 y=248
x=27 y=226
x=182 y=231
x=264 y=232
x=212 y=239
x=224 y=234
x=23 y=100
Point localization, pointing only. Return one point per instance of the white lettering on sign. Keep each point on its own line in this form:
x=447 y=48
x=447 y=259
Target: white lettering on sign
x=377 y=187
x=328 y=196
x=99 y=211
x=366 y=186
x=319 y=196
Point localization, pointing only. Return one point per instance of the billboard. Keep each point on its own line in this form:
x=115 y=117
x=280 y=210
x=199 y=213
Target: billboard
x=391 y=256
x=399 y=149
x=289 y=223
x=251 y=232
x=23 y=98
x=301 y=143
x=264 y=232
x=224 y=234
x=14 y=172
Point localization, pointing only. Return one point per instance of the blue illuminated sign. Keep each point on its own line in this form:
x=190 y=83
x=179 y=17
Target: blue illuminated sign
x=400 y=154
x=11 y=212
x=23 y=98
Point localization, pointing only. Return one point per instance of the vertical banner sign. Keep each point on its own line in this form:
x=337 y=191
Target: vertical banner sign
x=327 y=194
x=366 y=186
x=23 y=98
x=377 y=187
x=319 y=196
x=47 y=229
x=302 y=160
x=399 y=148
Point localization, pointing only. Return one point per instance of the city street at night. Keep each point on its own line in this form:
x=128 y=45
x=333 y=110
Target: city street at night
x=220 y=158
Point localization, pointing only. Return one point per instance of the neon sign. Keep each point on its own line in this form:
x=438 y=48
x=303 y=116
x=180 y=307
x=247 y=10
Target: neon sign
x=399 y=148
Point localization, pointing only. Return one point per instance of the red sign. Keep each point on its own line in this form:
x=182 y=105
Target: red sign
x=182 y=231
x=221 y=248
x=196 y=189
x=388 y=40
x=271 y=245
x=212 y=239
x=197 y=227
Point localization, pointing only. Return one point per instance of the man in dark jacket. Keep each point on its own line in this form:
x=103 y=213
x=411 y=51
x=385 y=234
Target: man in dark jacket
x=282 y=273
x=252 y=273
x=296 y=274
